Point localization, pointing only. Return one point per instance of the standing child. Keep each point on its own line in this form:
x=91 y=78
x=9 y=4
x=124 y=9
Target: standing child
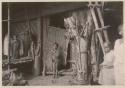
x=106 y=76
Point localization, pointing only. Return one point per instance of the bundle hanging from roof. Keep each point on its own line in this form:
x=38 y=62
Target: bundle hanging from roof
x=79 y=24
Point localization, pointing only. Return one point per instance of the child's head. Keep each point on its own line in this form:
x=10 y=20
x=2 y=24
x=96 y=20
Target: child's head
x=120 y=29
x=107 y=47
x=14 y=37
x=56 y=45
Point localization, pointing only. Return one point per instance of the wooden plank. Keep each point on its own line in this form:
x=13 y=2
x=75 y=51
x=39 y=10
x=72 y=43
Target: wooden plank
x=17 y=60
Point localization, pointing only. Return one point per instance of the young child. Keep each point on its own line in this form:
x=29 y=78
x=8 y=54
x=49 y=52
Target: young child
x=55 y=55
x=119 y=58
x=106 y=76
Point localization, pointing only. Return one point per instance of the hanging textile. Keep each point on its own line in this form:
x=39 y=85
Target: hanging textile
x=21 y=29
x=79 y=27
x=6 y=45
x=94 y=57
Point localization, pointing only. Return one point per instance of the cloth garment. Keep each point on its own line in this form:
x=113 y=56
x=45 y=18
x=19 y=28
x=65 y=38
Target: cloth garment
x=21 y=51
x=79 y=26
x=6 y=45
x=119 y=63
x=107 y=67
x=31 y=52
x=106 y=76
x=108 y=59
x=37 y=60
x=15 y=49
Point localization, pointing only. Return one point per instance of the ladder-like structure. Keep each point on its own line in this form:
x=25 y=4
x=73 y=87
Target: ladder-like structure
x=96 y=7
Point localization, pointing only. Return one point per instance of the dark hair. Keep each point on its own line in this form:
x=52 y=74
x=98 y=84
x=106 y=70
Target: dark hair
x=57 y=45
x=15 y=35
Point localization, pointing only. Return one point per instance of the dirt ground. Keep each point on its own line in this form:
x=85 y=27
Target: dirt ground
x=48 y=80
x=65 y=79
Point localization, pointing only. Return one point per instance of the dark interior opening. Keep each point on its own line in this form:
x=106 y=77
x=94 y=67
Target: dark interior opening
x=68 y=64
x=114 y=17
x=57 y=20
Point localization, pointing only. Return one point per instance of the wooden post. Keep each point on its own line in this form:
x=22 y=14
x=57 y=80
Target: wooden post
x=45 y=28
x=37 y=49
x=37 y=61
x=9 y=36
x=28 y=23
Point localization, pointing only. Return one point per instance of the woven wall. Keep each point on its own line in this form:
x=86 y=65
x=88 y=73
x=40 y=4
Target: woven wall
x=21 y=29
x=56 y=35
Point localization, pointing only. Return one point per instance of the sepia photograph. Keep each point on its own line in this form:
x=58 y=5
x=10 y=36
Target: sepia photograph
x=62 y=43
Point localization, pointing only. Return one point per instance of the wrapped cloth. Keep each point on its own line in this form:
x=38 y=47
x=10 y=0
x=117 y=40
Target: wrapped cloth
x=119 y=63
x=107 y=67
x=79 y=26
x=15 y=49
x=6 y=45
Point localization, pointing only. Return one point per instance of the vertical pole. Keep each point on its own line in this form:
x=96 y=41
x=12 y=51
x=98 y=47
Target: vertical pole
x=28 y=23
x=37 y=61
x=45 y=36
x=8 y=36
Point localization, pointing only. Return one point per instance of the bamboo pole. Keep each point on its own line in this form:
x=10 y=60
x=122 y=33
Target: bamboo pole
x=97 y=27
x=102 y=24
